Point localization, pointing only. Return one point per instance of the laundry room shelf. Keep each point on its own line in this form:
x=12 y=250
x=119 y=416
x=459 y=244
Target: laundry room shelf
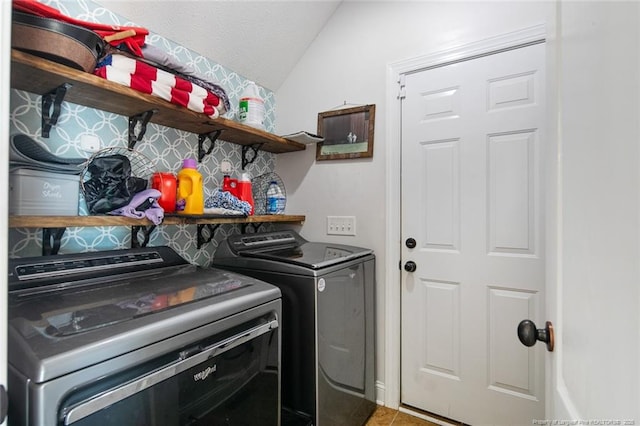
x=79 y=221
x=40 y=76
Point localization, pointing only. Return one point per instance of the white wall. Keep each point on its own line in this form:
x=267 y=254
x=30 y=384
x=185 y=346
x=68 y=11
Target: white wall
x=348 y=63
x=598 y=213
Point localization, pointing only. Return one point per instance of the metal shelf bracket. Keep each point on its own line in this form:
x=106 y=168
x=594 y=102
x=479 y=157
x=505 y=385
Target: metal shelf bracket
x=142 y=119
x=205 y=237
x=51 y=238
x=254 y=153
x=254 y=225
x=51 y=104
x=202 y=138
x=146 y=231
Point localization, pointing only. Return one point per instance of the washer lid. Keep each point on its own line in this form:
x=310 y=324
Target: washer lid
x=63 y=327
x=310 y=254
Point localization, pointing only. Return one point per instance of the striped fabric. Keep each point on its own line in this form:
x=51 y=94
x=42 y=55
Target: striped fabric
x=153 y=81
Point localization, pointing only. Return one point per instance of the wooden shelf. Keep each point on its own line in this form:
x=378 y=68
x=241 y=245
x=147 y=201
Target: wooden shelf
x=79 y=221
x=40 y=76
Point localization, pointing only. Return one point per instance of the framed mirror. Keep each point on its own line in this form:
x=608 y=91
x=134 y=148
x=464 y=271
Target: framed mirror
x=347 y=133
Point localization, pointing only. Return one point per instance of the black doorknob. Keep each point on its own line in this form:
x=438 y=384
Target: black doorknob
x=529 y=334
x=411 y=243
x=410 y=266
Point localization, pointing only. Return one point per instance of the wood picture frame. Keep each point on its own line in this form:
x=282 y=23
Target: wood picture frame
x=348 y=133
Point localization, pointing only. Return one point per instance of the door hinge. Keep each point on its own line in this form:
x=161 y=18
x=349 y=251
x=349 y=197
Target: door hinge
x=402 y=93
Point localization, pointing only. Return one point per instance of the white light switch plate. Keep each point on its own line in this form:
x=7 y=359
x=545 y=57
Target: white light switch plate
x=341 y=225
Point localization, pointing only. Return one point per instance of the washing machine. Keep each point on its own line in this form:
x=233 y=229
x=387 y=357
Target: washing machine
x=140 y=337
x=328 y=322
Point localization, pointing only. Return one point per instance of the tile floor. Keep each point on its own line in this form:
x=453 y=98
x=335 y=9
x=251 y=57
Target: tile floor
x=384 y=416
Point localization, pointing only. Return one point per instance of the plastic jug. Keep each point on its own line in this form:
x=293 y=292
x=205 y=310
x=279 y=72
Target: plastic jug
x=244 y=190
x=190 y=195
x=167 y=184
x=251 y=111
x=276 y=199
x=230 y=185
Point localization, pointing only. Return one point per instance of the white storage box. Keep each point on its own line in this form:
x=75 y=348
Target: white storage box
x=38 y=193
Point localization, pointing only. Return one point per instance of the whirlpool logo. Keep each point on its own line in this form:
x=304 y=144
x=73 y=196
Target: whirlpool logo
x=205 y=373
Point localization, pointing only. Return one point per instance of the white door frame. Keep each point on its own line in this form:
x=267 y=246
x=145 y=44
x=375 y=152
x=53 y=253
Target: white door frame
x=5 y=77
x=389 y=391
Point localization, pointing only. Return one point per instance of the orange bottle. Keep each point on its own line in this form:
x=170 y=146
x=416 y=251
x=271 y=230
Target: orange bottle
x=167 y=184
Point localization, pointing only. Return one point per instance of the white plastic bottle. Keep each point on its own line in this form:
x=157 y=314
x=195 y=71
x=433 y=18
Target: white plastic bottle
x=276 y=200
x=251 y=111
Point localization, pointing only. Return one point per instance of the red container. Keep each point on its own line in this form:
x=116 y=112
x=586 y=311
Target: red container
x=230 y=185
x=244 y=190
x=167 y=184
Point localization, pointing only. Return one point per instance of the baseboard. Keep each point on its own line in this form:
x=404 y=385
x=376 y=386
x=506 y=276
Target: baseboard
x=380 y=399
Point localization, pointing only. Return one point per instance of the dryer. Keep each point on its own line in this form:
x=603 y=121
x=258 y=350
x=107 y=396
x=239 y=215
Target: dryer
x=327 y=325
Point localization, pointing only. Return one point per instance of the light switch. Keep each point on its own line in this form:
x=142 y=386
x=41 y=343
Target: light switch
x=341 y=225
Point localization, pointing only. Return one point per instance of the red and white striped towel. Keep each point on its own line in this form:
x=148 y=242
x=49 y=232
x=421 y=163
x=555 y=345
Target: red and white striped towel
x=148 y=79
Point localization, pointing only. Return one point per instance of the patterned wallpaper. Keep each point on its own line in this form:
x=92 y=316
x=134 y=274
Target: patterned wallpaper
x=164 y=147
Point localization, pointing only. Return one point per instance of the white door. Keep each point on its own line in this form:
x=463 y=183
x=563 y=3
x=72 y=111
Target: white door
x=472 y=135
x=595 y=270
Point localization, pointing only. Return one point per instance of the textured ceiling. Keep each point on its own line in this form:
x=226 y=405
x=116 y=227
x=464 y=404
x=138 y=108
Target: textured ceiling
x=260 y=40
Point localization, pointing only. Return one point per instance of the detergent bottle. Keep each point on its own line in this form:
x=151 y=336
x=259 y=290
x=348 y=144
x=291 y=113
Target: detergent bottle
x=190 y=196
x=230 y=185
x=244 y=190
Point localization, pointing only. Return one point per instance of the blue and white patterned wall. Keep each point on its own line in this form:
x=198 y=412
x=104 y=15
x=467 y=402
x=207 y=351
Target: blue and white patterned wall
x=164 y=147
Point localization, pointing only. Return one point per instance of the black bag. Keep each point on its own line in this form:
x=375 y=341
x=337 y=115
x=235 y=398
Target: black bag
x=111 y=185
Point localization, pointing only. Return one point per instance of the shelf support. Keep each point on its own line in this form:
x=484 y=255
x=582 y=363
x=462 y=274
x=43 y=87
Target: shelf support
x=142 y=119
x=254 y=151
x=135 y=231
x=202 y=138
x=52 y=100
x=254 y=225
x=205 y=237
x=51 y=238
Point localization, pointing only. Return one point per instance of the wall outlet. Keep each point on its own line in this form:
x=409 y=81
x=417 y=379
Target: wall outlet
x=90 y=143
x=341 y=225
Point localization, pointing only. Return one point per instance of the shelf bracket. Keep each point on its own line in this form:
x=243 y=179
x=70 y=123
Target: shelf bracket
x=254 y=151
x=51 y=238
x=205 y=237
x=202 y=138
x=254 y=225
x=142 y=119
x=135 y=231
x=52 y=100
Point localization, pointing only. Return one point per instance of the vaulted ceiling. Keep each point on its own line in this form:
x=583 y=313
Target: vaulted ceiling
x=260 y=40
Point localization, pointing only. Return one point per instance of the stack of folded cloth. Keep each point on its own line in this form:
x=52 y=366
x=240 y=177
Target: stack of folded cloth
x=148 y=79
x=160 y=59
x=27 y=153
x=224 y=203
